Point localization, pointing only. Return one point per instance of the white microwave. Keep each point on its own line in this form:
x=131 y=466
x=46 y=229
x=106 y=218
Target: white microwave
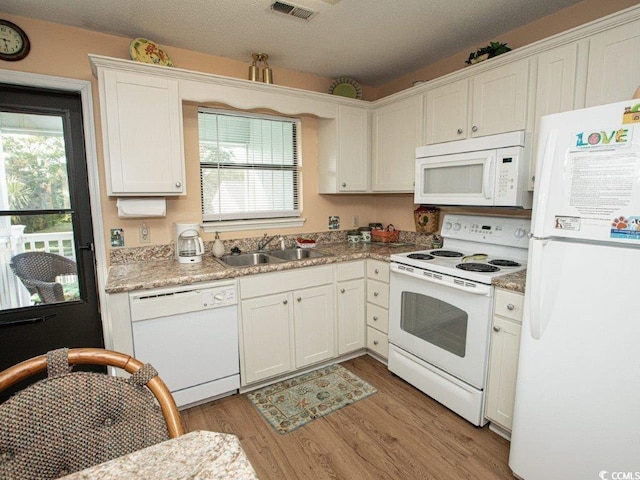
x=482 y=171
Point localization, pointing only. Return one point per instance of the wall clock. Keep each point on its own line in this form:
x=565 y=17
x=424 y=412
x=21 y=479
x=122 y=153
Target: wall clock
x=14 y=43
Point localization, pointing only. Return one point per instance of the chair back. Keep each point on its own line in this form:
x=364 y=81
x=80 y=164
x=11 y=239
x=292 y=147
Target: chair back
x=73 y=420
x=38 y=272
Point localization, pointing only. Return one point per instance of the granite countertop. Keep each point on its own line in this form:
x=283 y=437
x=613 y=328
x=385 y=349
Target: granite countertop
x=151 y=273
x=512 y=281
x=200 y=454
x=165 y=273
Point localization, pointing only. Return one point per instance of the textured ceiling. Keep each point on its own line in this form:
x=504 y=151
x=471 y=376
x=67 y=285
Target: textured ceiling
x=372 y=41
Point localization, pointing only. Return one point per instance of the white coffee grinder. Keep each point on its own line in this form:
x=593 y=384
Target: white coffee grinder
x=189 y=246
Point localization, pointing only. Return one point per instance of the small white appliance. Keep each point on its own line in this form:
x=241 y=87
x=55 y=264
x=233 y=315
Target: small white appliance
x=441 y=304
x=189 y=246
x=483 y=171
x=577 y=403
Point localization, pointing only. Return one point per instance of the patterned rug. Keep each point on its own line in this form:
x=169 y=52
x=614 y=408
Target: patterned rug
x=292 y=403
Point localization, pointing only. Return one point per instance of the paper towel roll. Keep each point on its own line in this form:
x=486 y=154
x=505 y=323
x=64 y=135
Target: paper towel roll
x=141 y=207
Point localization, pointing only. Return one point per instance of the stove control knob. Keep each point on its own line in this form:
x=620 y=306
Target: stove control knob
x=520 y=233
x=447 y=225
x=457 y=226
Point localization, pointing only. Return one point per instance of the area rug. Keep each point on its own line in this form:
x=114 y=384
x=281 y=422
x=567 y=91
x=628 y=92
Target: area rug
x=290 y=404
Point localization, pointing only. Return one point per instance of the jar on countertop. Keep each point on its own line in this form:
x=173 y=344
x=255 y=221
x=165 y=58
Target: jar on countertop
x=365 y=234
x=353 y=236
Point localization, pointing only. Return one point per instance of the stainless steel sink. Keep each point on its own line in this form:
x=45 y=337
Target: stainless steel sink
x=296 y=254
x=248 y=259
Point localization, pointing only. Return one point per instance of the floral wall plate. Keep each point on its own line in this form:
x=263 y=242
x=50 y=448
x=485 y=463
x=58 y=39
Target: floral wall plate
x=346 y=87
x=146 y=51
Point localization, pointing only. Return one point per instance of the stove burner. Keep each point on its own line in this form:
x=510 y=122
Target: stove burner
x=445 y=253
x=504 y=263
x=477 y=267
x=420 y=256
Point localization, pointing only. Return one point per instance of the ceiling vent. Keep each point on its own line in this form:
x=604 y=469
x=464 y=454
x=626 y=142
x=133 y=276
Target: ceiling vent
x=292 y=10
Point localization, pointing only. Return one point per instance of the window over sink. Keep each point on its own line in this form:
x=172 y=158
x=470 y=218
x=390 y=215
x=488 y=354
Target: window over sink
x=249 y=169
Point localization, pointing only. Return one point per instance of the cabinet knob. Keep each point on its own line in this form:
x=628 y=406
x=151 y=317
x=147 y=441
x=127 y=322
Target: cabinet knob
x=342 y=290
x=511 y=306
x=375 y=318
x=474 y=129
x=178 y=184
x=299 y=299
x=460 y=131
x=376 y=342
x=285 y=302
x=376 y=271
x=344 y=184
x=496 y=329
x=375 y=294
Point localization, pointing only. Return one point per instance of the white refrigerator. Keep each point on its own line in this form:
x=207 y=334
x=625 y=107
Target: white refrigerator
x=577 y=405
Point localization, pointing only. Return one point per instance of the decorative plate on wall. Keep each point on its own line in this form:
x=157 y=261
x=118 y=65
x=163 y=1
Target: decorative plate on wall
x=146 y=51
x=346 y=87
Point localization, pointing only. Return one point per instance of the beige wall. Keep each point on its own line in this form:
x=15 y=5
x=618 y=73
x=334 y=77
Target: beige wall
x=62 y=51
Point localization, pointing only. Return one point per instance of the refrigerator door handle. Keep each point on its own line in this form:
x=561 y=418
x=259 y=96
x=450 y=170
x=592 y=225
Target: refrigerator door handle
x=543 y=178
x=539 y=316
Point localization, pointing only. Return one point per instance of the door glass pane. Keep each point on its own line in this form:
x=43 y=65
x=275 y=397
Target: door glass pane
x=462 y=179
x=37 y=248
x=435 y=321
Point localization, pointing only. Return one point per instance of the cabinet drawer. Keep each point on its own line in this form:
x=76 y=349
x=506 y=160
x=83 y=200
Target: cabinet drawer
x=349 y=271
x=378 y=317
x=378 y=270
x=509 y=304
x=378 y=293
x=269 y=283
x=377 y=342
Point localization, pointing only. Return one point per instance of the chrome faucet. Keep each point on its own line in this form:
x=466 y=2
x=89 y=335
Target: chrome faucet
x=265 y=241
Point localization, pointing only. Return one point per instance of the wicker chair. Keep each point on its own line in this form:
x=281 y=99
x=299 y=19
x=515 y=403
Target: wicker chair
x=73 y=420
x=38 y=272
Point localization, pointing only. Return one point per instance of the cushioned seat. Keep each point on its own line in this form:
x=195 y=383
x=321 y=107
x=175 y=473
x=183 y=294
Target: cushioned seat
x=73 y=420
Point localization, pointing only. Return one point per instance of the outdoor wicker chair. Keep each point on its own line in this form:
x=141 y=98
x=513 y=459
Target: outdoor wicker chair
x=73 y=420
x=38 y=272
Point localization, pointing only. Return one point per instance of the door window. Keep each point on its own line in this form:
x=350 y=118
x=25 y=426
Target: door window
x=435 y=321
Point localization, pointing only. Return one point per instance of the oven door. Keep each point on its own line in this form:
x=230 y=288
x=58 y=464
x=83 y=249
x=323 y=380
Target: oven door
x=442 y=320
x=459 y=179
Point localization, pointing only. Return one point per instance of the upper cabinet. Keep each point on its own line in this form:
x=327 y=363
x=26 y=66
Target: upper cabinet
x=396 y=132
x=143 y=141
x=493 y=101
x=614 y=69
x=343 y=151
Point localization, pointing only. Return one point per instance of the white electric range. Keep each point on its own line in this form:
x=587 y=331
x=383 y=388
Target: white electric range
x=441 y=303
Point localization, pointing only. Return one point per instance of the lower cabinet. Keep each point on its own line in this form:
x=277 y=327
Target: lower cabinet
x=503 y=358
x=350 y=306
x=378 y=307
x=314 y=325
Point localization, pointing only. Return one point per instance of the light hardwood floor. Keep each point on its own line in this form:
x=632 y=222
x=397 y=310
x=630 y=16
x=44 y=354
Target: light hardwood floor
x=398 y=433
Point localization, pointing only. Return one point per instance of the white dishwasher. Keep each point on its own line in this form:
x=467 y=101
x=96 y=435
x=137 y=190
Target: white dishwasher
x=190 y=335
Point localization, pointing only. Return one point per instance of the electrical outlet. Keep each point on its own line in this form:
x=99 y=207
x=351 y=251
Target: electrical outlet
x=145 y=234
x=355 y=221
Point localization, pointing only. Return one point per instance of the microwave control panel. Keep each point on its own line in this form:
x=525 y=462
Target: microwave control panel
x=507 y=174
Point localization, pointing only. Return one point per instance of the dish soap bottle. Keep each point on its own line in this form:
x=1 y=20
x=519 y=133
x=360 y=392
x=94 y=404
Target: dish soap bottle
x=218 y=247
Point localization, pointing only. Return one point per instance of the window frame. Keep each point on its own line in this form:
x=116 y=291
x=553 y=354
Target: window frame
x=260 y=219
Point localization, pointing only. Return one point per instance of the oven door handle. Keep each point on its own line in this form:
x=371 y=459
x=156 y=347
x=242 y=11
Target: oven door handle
x=444 y=280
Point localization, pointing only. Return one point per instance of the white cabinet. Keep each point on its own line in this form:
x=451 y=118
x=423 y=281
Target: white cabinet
x=503 y=358
x=614 y=70
x=350 y=304
x=378 y=307
x=396 y=132
x=314 y=325
x=142 y=134
x=555 y=89
x=283 y=328
x=343 y=151
x=498 y=104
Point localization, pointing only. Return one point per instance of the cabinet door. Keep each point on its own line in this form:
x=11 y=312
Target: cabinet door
x=556 y=83
x=143 y=134
x=397 y=131
x=353 y=149
x=500 y=99
x=266 y=340
x=351 y=316
x=503 y=368
x=314 y=319
x=614 y=70
x=446 y=112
